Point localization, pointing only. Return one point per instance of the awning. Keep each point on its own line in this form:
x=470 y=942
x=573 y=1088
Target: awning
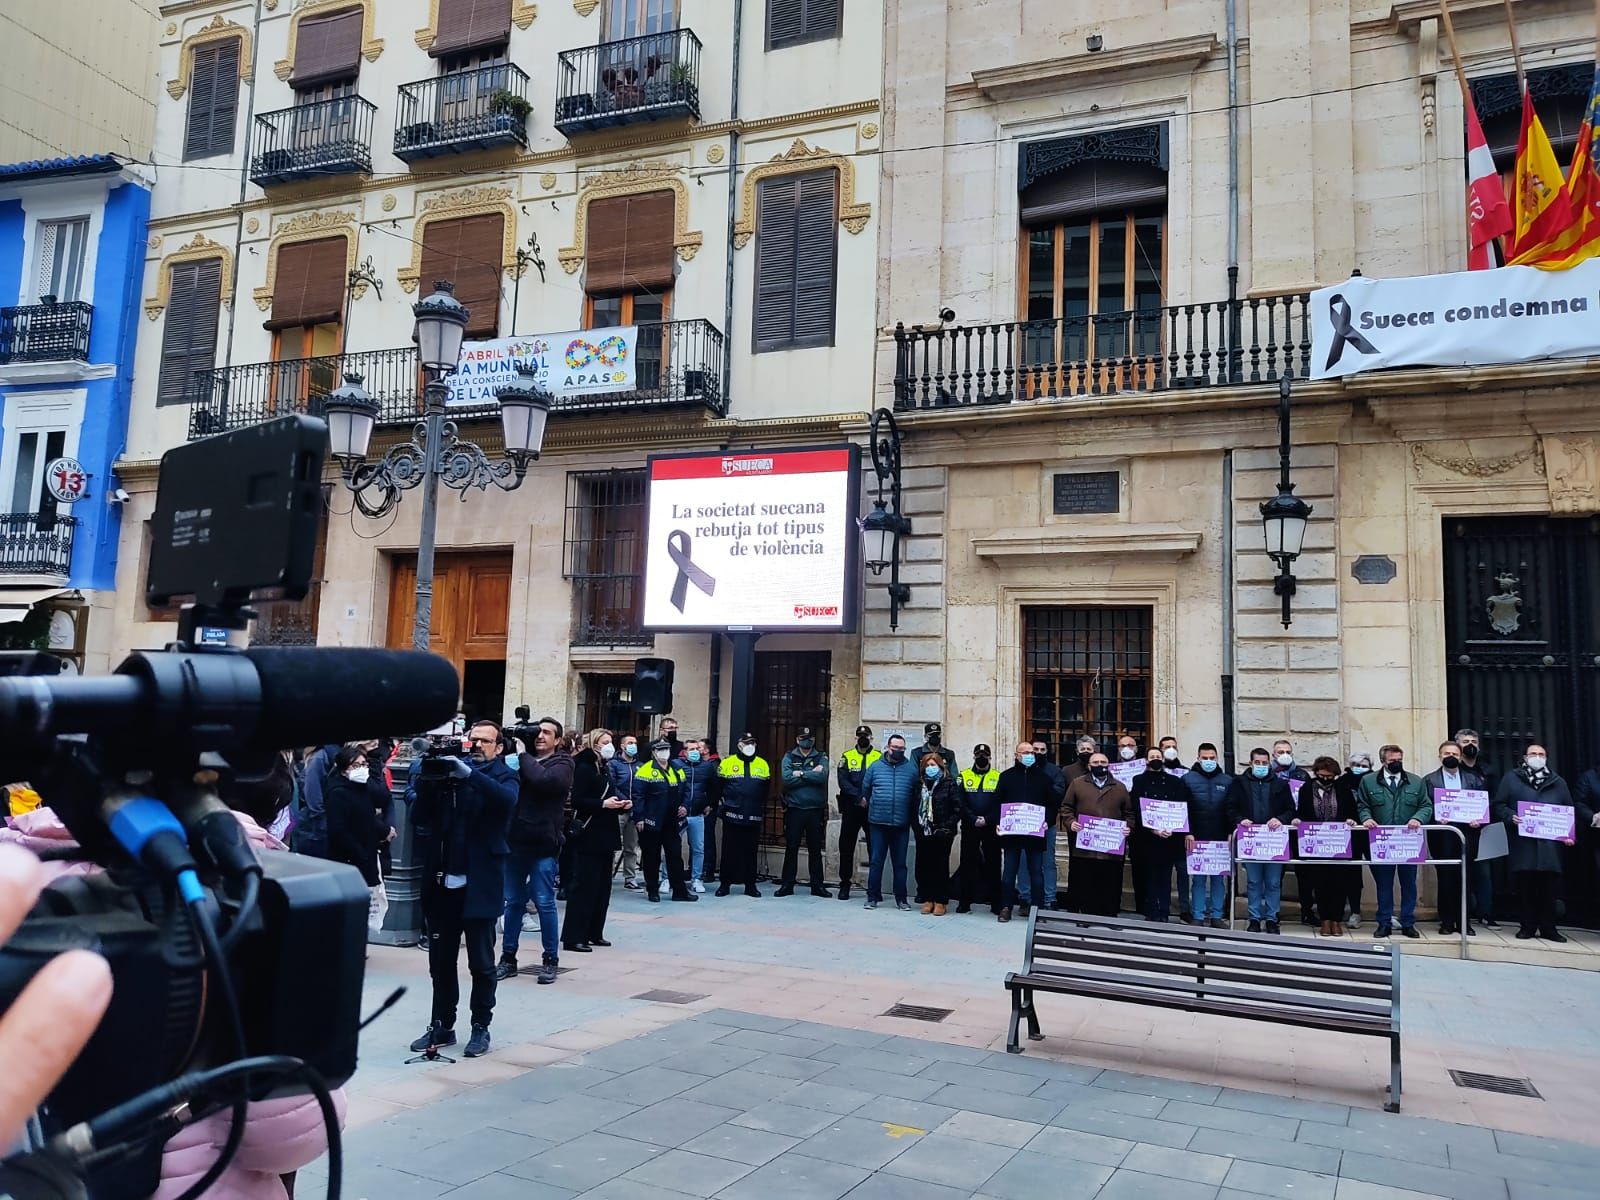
x=16 y=602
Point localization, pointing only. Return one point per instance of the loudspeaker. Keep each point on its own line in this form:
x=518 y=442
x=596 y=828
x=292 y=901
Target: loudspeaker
x=652 y=685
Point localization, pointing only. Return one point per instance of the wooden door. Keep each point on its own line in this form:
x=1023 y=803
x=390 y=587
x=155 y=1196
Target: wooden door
x=471 y=606
x=792 y=691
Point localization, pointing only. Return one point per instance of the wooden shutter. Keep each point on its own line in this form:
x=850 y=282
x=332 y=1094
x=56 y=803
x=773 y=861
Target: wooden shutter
x=467 y=251
x=1091 y=188
x=471 y=25
x=790 y=22
x=213 y=100
x=310 y=282
x=327 y=49
x=796 y=261
x=629 y=244
x=189 y=340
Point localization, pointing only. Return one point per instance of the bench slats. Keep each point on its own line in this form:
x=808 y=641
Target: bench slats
x=1236 y=992
x=1068 y=964
x=1253 y=944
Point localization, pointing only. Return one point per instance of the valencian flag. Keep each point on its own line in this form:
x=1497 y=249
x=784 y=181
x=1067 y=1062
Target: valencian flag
x=1488 y=215
x=1581 y=239
x=1544 y=211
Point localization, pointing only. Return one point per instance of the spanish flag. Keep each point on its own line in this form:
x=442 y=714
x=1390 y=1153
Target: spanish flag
x=1581 y=240
x=1543 y=208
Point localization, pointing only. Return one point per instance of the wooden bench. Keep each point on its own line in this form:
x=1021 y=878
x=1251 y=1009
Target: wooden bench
x=1259 y=977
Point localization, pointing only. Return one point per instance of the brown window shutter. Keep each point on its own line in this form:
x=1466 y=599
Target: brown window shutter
x=327 y=49
x=1094 y=188
x=189 y=340
x=467 y=252
x=471 y=25
x=310 y=282
x=213 y=100
x=796 y=261
x=629 y=244
x=775 y=267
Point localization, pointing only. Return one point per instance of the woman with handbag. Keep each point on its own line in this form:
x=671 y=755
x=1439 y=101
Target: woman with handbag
x=596 y=838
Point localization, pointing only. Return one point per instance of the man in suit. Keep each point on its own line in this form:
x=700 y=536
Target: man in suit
x=1394 y=796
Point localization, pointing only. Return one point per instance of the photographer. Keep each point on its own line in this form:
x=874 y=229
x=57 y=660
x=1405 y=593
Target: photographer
x=461 y=835
x=535 y=841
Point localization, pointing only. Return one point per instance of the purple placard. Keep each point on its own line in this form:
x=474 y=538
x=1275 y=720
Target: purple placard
x=1547 y=822
x=1125 y=772
x=1323 y=839
x=1210 y=858
x=1260 y=844
x=1294 y=788
x=1461 y=806
x=1021 y=820
x=1396 y=844
x=1171 y=815
x=1102 y=834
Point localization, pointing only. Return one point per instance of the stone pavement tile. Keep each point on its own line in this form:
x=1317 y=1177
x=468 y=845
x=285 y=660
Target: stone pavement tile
x=794 y=1176
x=1540 y=1191
x=579 y=1039
x=669 y=1123
x=1210 y=1117
x=1551 y=1172
x=836 y=1100
x=1284 y=1106
x=1264 y=1179
x=687 y=1172
x=458 y=1114
x=741 y=1144
x=1089 y=1147
x=480 y=1071
x=775 y=1043
x=1389 y=1144
x=470 y=1156
x=1130 y=1128
x=1421 y=1177
x=1040 y=1066
x=912 y=1114
x=982 y=1077
x=841 y=1036
x=787 y=1066
x=715 y=1059
x=740 y=1089
x=993 y=1131
x=1549 y=1148
x=952 y=1161
x=555 y=1082
x=741 y=1020
x=1151 y=1085
x=791 y=1119
x=530 y=1054
x=623 y=1188
x=948 y=1051
x=508 y=1187
x=1136 y=1185
x=905 y=1087
x=561 y=1121
x=858 y=1142
x=997 y=1104
x=1421 y=1129
x=1082 y=1093
x=1178 y=1164
x=1303 y=1156
x=860 y=1058
x=900 y=1187
x=1030 y=1176
x=367 y=1179
x=584 y=1162
x=1356 y=1189
x=647 y=1085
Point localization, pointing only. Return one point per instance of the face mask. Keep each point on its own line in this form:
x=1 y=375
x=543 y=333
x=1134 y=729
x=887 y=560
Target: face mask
x=1126 y=753
x=1083 y=757
x=1395 y=766
x=513 y=761
x=1208 y=765
x=694 y=756
x=1259 y=770
x=358 y=774
x=931 y=771
x=1535 y=762
x=1027 y=760
x=608 y=751
x=863 y=743
x=1286 y=760
x=1155 y=764
x=933 y=739
x=661 y=756
x=1451 y=762
x=746 y=749
x=1170 y=754
x=1359 y=771
x=897 y=755
x=1324 y=781
x=1469 y=750
x=629 y=750
x=980 y=764
x=805 y=743
x=1099 y=772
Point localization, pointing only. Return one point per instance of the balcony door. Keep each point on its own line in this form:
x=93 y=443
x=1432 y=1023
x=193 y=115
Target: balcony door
x=305 y=364
x=468 y=83
x=38 y=430
x=649 y=313
x=636 y=18
x=63 y=249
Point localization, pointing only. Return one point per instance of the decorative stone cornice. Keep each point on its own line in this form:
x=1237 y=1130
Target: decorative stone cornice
x=201 y=247
x=585 y=7
x=522 y=16
x=1073 y=71
x=1150 y=543
x=634 y=179
x=800 y=159
x=218 y=30
x=371 y=46
x=309 y=227
x=478 y=201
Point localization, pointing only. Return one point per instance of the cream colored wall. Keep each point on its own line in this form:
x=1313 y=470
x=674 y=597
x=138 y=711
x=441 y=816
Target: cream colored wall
x=79 y=78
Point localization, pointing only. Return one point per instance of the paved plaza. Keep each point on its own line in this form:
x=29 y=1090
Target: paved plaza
x=738 y=1048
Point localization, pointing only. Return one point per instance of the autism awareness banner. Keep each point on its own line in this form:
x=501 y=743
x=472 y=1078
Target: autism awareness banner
x=580 y=362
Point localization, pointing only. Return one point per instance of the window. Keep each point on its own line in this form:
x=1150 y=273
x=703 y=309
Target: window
x=307 y=321
x=635 y=18
x=796 y=251
x=471 y=25
x=189 y=340
x=35 y=450
x=62 y=248
x=213 y=100
x=467 y=251
x=791 y=22
x=649 y=313
x=1086 y=671
x=604 y=557
x=327 y=50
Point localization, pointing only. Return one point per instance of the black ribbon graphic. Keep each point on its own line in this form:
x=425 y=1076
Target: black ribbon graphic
x=1344 y=334
x=678 y=551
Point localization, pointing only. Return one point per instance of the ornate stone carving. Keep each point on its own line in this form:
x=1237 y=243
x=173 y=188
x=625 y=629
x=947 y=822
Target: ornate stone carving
x=715 y=154
x=585 y=7
x=172 y=28
x=389 y=202
x=218 y=31
x=307 y=227
x=464 y=202
x=198 y=248
x=522 y=15
x=1473 y=468
x=797 y=160
x=1145 y=144
x=1572 y=472
x=371 y=46
x=631 y=180
x=155 y=241
x=252 y=225
x=869 y=131
x=547 y=180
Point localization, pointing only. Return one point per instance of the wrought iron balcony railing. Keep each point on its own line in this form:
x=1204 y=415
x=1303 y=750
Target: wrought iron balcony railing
x=1183 y=346
x=636 y=79
x=326 y=137
x=48 y=332
x=485 y=108
x=36 y=544
x=679 y=365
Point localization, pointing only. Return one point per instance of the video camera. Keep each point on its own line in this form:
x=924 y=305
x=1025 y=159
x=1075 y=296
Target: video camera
x=525 y=729
x=437 y=753
x=234 y=977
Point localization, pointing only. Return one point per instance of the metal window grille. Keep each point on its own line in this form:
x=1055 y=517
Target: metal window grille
x=608 y=704
x=792 y=691
x=1087 y=670
x=603 y=555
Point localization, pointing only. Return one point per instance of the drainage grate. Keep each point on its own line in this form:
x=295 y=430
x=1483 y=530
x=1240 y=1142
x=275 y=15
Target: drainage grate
x=533 y=970
x=917 y=1012
x=1504 y=1084
x=660 y=997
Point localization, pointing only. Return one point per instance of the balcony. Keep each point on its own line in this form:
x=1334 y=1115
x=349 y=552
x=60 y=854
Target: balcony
x=482 y=109
x=48 y=332
x=1215 y=344
x=312 y=141
x=679 y=365
x=650 y=78
x=36 y=544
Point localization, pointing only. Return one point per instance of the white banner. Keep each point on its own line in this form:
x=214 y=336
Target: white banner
x=1470 y=318
x=580 y=362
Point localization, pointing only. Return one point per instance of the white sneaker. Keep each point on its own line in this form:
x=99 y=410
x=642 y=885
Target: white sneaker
x=530 y=923
x=699 y=888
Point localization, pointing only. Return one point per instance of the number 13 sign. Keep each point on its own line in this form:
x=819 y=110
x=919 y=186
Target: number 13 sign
x=66 y=480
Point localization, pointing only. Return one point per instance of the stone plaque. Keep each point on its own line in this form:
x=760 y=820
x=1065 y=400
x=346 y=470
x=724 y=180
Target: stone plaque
x=1373 y=569
x=1087 y=492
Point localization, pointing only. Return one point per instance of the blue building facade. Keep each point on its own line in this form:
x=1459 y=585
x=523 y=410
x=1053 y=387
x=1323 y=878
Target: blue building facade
x=72 y=246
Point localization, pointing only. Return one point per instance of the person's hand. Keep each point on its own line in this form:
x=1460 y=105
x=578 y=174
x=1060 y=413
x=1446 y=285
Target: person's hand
x=1188 y=843
x=799 y=774
x=981 y=822
x=1246 y=824
x=1077 y=827
x=1515 y=819
x=1165 y=833
x=521 y=748
x=613 y=803
x=1369 y=823
x=1413 y=824
x=1349 y=824
x=682 y=812
x=49 y=1023
x=1295 y=824
x=391 y=836
x=1274 y=824
x=1595 y=824
x=1476 y=824
x=458 y=768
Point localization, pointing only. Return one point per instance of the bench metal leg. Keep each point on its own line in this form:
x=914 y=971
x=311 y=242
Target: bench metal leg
x=1013 y=1043
x=1394 y=1075
x=1032 y=1014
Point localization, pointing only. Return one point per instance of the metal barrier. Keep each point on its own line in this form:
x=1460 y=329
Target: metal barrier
x=1235 y=863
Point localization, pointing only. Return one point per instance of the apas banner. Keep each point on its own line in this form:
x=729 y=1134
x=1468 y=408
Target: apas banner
x=581 y=362
x=1466 y=319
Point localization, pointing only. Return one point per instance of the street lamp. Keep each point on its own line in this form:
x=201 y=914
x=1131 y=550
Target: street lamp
x=1284 y=517
x=883 y=528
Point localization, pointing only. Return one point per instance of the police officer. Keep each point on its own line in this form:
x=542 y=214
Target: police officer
x=659 y=812
x=746 y=780
x=805 y=811
x=980 y=843
x=853 y=764
x=933 y=743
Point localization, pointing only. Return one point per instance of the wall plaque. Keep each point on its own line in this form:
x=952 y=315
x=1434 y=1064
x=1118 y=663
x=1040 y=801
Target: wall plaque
x=1087 y=492
x=1373 y=569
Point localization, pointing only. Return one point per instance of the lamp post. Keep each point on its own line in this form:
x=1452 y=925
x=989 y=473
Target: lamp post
x=884 y=527
x=436 y=452
x=1284 y=517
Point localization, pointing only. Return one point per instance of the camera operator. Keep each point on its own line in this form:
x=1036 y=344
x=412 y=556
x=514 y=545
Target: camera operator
x=461 y=825
x=535 y=841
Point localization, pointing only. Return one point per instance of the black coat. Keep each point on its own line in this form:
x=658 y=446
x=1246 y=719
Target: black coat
x=1259 y=800
x=1529 y=854
x=483 y=802
x=1586 y=797
x=596 y=830
x=1441 y=842
x=353 y=826
x=1028 y=785
x=1349 y=784
x=545 y=785
x=946 y=806
x=1158 y=785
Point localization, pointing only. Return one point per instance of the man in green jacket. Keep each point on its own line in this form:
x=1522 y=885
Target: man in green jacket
x=805 y=811
x=1393 y=796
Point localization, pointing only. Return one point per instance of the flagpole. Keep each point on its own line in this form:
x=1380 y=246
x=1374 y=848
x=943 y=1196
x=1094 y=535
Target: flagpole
x=1516 y=48
x=1455 y=54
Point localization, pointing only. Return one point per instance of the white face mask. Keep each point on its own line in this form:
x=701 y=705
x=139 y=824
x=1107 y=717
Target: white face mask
x=1170 y=754
x=1535 y=762
x=358 y=774
x=1126 y=753
x=1286 y=760
x=608 y=751
x=747 y=748
x=661 y=756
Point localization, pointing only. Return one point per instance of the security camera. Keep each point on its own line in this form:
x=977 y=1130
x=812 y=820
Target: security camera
x=120 y=496
x=1094 y=42
x=947 y=314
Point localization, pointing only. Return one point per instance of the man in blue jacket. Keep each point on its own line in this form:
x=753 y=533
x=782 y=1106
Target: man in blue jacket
x=461 y=825
x=1256 y=798
x=1208 y=786
x=700 y=801
x=890 y=790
